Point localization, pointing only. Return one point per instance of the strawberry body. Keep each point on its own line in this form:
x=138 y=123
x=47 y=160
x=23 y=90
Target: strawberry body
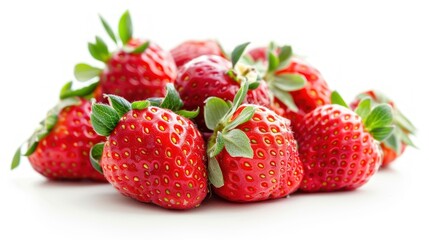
x=275 y=170
x=64 y=153
x=137 y=76
x=189 y=50
x=156 y=156
x=335 y=149
x=207 y=76
x=314 y=93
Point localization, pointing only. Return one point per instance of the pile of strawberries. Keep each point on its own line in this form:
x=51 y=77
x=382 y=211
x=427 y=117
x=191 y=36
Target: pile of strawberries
x=170 y=128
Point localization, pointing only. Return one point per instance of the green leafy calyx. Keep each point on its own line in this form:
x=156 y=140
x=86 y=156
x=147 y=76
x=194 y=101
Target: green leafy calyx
x=43 y=129
x=223 y=119
x=403 y=126
x=104 y=118
x=237 y=53
x=99 y=50
x=125 y=28
x=67 y=90
x=378 y=121
x=282 y=84
x=95 y=155
x=337 y=99
x=108 y=29
x=84 y=72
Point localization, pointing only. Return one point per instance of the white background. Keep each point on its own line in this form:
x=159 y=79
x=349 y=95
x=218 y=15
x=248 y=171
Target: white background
x=356 y=45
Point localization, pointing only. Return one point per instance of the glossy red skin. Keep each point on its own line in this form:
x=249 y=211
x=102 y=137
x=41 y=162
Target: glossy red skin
x=141 y=160
x=315 y=93
x=389 y=154
x=275 y=171
x=189 y=50
x=206 y=76
x=137 y=76
x=335 y=150
x=64 y=153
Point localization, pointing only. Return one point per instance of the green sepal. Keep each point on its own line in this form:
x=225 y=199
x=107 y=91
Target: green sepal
x=155 y=101
x=102 y=49
x=66 y=90
x=337 y=99
x=92 y=48
x=243 y=117
x=16 y=159
x=379 y=117
x=125 y=28
x=104 y=119
x=32 y=144
x=108 y=29
x=289 y=82
x=393 y=142
x=47 y=124
x=240 y=96
x=215 y=173
x=285 y=98
x=273 y=61
x=214 y=110
x=285 y=53
x=237 y=144
x=120 y=104
x=254 y=85
x=140 y=105
x=140 y=49
x=403 y=122
x=84 y=72
x=237 y=52
x=218 y=146
x=272 y=46
x=364 y=108
x=95 y=155
x=188 y=114
x=172 y=99
x=381 y=133
x=405 y=138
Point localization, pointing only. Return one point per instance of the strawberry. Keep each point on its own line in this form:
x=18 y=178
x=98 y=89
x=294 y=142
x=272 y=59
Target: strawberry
x=339 y=148
x=297 y=86
x=208 y=76
x=189 y=50
x=395 y=145
x=138 y=70
x=59 y=148
x=252 y=153
x=151 y=154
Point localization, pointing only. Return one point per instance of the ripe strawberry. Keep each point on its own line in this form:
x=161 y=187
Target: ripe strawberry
x=208 y=76
x=59 y=148
x=138 y=70
x=151 y=154
x=297 y=86
x=252 y=153
x=339 y=148
x=189 y=50
x=394 y=145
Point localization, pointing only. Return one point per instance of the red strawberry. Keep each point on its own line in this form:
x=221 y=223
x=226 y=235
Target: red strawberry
x=151 y=154
x=394 y=145
x=208 y=76
x=189 y=50
x=253 y=154
x=297 y=86
x=138 y=70
x=338 y=147
x=59 y=149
